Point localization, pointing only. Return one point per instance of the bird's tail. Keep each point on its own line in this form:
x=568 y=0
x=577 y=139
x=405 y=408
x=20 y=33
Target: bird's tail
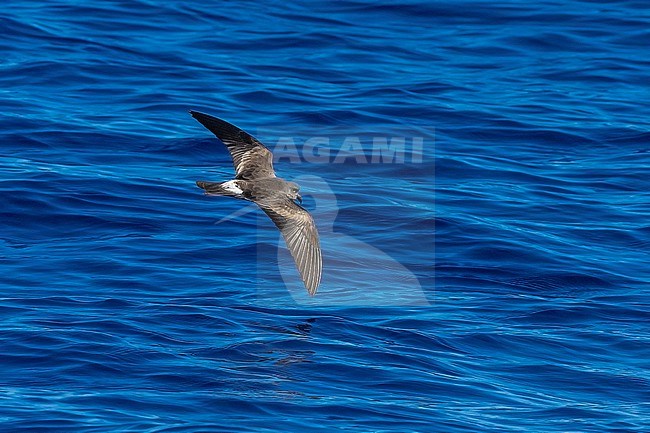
x=219 y=188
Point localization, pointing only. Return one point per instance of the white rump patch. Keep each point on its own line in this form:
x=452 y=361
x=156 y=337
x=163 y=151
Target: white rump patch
x=231 y=186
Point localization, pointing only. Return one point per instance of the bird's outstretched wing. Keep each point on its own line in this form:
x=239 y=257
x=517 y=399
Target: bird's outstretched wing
x=300 y=234
x=252 y=160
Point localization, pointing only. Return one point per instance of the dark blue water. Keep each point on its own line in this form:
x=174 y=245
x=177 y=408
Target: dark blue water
x=487 y=270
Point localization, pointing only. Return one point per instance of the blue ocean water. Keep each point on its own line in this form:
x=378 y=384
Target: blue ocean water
x=492 y=276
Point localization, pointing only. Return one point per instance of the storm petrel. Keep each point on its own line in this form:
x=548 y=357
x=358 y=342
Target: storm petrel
x=255 y=181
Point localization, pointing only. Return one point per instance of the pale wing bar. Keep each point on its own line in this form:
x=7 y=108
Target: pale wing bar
x=300 y=234
x=252 y=160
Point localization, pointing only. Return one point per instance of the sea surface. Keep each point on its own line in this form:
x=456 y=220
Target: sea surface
x=479 y=172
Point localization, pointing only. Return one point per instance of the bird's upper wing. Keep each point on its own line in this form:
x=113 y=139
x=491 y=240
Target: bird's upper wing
x=252 y=160
x=300 y=234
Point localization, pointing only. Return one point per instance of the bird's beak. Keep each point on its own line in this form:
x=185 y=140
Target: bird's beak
x=299 y=198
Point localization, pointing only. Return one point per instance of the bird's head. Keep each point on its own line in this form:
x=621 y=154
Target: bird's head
x=293 y=191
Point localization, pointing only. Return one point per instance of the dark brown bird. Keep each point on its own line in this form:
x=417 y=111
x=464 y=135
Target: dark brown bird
x=255 y=181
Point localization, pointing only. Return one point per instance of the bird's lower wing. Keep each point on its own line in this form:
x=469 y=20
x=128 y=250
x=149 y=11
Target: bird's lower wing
x=300 y=234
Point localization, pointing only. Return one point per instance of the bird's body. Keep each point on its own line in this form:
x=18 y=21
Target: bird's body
x=255 y=181
x=251 y=190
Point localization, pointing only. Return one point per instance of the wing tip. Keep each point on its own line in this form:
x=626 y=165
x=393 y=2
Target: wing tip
x=196 y=114
x=313 y=280
x=312 y=290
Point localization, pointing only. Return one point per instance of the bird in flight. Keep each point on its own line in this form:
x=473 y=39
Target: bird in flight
x=255 y=181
